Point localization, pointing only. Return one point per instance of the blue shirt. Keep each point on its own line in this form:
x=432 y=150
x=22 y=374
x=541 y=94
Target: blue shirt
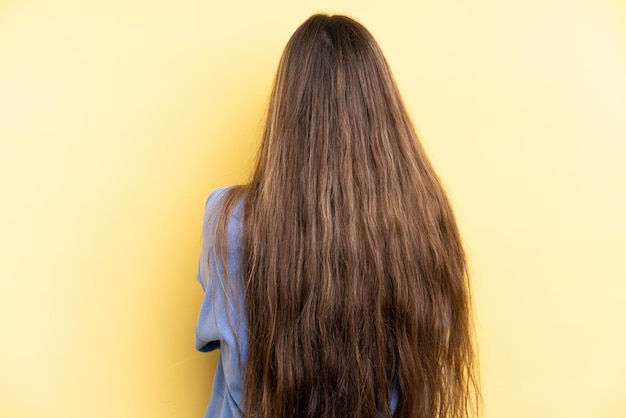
x=222 y=321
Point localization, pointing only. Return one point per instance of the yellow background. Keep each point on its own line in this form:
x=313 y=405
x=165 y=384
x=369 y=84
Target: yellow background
x=117 y=118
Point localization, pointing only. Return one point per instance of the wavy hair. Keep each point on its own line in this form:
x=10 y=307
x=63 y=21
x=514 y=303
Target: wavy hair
x=355 y=277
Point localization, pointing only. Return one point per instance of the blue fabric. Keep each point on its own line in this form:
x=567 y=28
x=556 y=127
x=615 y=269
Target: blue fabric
x=222 y=314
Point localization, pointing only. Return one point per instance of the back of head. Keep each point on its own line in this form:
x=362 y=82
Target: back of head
x=355 y=273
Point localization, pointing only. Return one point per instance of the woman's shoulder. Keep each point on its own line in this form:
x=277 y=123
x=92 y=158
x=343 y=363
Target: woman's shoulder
x=218 y=196
x=214 y=205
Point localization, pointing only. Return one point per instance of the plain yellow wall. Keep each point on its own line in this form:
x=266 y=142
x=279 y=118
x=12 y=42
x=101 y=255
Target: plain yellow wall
x=117 y=118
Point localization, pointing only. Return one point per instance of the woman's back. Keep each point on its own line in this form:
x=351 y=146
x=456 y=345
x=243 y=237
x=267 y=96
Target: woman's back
x=351 y=267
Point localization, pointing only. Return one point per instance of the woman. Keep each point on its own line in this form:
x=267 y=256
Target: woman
x=335 y=280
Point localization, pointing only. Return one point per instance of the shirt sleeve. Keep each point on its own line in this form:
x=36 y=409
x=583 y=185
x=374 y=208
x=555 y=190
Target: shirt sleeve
x=213 y=321
x=209 y=208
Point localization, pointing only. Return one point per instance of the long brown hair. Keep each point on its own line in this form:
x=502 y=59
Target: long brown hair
x=355 y=275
